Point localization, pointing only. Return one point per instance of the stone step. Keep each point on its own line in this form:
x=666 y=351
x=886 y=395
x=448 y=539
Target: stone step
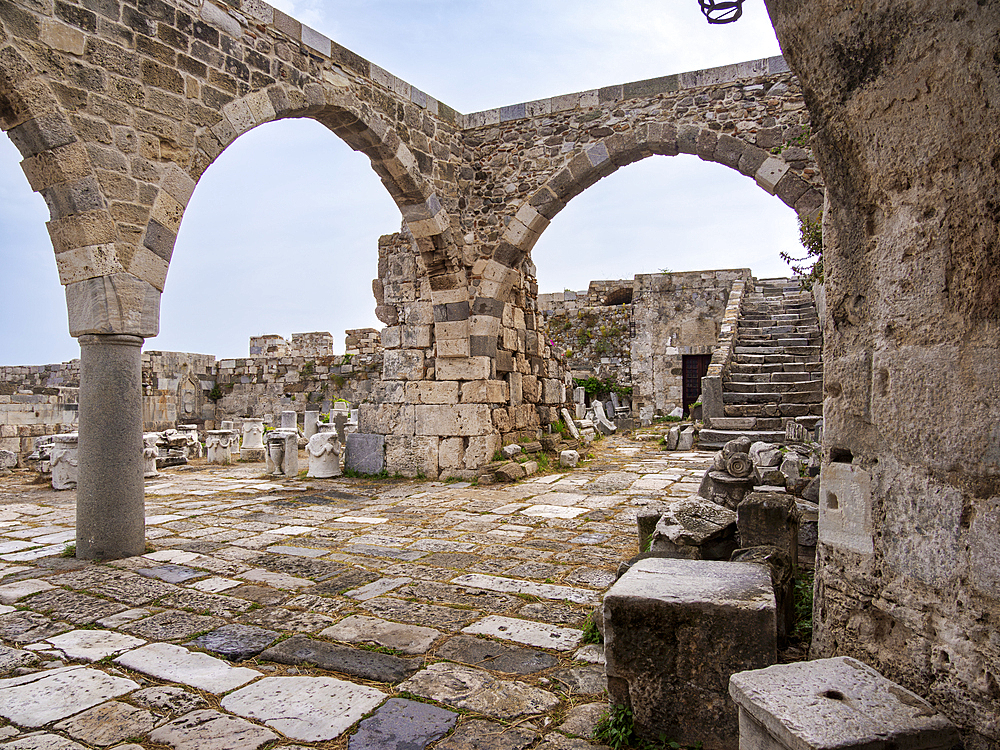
x=795 y=367
x=738 y=385
x=750 y=423
x=772 y=397
x=750 y=359
x=773 y=410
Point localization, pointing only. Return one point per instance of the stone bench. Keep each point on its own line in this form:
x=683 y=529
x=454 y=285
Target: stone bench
x=837 y=703
x=675 y=630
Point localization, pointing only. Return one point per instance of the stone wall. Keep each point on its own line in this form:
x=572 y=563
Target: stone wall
x=904 y=98
x=184 y=388
x=640 y=343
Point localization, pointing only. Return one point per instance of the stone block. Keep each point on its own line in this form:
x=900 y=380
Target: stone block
x=553 y=392
x=451 y=453
x=769 y=519
x=569 y=459
x=462 y=368
x=386 y=419
x=403 y=364
x=432 y=392
x=453 y=420
x=845 y=508
x=675 y=630
x=119 y=303
x=365 y=453
x=479 y=450
x=412 y=456
x=834 y=703
x=485 y=392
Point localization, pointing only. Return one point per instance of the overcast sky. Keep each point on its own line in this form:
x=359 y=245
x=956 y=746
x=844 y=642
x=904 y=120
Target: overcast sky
x=281 y=233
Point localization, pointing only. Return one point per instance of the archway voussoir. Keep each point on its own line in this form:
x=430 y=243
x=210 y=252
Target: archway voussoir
x=751 y=159
x=729 y=151
x=687 y=139
x=810 y=204
x=707 y=140
x=42 y=134
x=790 y=188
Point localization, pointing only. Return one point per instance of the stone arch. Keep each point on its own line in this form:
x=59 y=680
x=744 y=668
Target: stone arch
x=605 y=156
x=358 y=125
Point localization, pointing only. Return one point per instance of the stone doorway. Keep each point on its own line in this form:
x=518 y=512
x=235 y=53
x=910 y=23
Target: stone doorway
x=695 y=367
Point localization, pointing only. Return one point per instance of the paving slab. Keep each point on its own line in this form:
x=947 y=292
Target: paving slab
x=515 y=586
x=402 y=725
x=279 y=618
x=108 y=723
x=555 y=613
x=120 y=585
x=40 y=698
x=410 y=639
x=495 y=656
x=12 y=658
x=476 y=690
x=91 y=645
x=176 y=664
x=553 y=511
x=172 y=625
x=12 y=592
x=236 y=642
x=586 y=680
x=73 y=606
x=527 y=632
x=42 y=741
x=170 y=573
x=168 y=699
x=368 y=665
x=581 y=720
x=211 y=730
x=311 y=709
x=478 y=734
x=431 y=615
x=376 y=588
x=23 y=626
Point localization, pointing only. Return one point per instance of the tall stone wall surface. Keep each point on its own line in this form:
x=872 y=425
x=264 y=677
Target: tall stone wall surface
x=176 y=388
x=904 y=98
x=596 y=341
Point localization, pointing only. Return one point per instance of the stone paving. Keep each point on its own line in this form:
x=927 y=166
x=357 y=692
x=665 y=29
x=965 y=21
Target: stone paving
x=338 y=613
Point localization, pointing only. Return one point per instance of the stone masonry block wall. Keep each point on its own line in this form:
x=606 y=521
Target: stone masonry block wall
x=641 y=343
x=905 y=99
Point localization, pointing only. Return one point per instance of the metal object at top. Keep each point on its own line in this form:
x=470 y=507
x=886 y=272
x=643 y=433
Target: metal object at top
x=721 y=11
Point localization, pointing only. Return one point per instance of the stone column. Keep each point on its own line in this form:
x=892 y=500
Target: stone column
x=110 y=517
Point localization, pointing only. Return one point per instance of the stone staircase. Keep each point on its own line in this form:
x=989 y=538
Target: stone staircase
x=776 y=372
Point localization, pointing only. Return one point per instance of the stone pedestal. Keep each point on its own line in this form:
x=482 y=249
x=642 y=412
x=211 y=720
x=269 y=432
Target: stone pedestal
x=289 y=421
x=283 y=453
x=110 y=517
x=64 y=461
x=253 y=440
x=220 y=446
x=150 y=452
x=324 y=455
x=834 y=703
x=675 y=630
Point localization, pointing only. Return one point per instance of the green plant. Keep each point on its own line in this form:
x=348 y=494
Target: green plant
x=803 y=602
x=616 y=728
x=215 y=394
x=583 y=338
x=68 y=551
x=808 y=268
x=347 y=359
x=308 y=369
x=590 y=632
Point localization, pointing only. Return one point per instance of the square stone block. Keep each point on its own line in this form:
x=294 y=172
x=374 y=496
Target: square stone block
x=675 y=630
x=365 y=454
x=834 y=703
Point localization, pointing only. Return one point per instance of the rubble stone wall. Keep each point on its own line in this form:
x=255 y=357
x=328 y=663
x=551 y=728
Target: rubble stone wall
x=904 y=98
